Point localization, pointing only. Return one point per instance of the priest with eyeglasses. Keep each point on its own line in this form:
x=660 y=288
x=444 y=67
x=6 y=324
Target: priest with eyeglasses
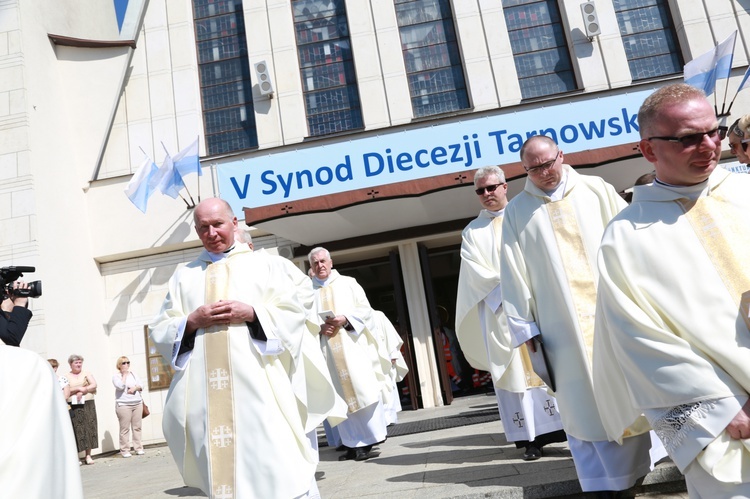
x=528 y=412
x=673 y=328
x=551 y=233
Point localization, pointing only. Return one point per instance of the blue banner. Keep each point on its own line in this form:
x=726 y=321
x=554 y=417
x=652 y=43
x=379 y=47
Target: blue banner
x=398 y=156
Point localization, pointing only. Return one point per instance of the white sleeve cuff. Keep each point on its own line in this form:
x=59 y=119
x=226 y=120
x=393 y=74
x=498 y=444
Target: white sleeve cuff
x=494 y=299
x=521 y=331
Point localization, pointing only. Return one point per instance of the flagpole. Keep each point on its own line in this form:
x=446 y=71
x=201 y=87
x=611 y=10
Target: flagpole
x=726 y=85
x=189 y=206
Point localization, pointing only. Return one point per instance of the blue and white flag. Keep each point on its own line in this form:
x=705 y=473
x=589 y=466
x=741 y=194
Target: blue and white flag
x=168 y=180
x=716 y=64
x=187 y=160
x=745 y=80
x=141 y=186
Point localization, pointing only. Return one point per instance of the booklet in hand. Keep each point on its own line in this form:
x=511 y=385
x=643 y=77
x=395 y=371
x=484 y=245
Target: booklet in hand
x=540 y=363
x=326 y=314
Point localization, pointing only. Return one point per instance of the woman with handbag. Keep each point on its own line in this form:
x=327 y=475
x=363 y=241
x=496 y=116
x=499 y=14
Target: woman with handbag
x=129 y=407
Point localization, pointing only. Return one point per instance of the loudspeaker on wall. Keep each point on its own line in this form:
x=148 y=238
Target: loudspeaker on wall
x=590 y=19
x=264 y=78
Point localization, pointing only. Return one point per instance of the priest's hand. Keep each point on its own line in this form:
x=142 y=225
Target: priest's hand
x=220 y=313
x=328 y=329
x=739 y=428
x=339 y=321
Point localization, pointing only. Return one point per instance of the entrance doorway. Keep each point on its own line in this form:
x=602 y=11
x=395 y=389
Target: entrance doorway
x=443 y=267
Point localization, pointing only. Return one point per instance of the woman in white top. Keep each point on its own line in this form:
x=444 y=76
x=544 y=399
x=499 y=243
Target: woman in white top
x=129 y=407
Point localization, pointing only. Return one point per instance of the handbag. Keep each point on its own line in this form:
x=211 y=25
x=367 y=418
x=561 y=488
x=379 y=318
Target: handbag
x=146 y=412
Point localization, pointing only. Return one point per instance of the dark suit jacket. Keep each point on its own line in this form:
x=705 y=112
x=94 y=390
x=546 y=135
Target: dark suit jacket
x=13 y=325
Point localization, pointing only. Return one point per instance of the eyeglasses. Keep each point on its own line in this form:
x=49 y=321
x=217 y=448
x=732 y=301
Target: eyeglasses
x=126 y=362
x=488 y=188
x=693 y=139
x=743 y=145
x=544 y=166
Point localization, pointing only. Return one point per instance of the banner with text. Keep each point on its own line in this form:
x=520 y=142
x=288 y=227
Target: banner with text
x=433 y=150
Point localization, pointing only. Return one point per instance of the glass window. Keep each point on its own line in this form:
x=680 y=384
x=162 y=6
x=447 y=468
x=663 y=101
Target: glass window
x=224 y=72
x=433 y=62
x=329 y=83
x=539 y=47
x=648 y=37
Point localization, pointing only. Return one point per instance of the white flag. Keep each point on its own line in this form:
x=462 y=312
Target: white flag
x=716 y=64
x=141 y=186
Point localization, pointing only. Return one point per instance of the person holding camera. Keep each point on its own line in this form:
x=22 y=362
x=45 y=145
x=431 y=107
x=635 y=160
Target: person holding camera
x=129 y=406
x=14 y=315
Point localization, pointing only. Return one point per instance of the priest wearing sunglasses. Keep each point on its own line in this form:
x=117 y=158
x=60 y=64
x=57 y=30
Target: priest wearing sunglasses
x=673 y=331
x=529 y=414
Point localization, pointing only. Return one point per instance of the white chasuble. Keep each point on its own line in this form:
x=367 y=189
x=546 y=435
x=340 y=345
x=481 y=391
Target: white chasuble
x=671 y=327
x=38 y=457
x=265 y=420
x=355 y=359
x=544 y=281
x=485 y=340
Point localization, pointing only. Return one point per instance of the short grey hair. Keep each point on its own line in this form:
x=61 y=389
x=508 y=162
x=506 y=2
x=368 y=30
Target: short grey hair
x=244 y=236
x=74 y=357
x=315 y=251
x=489 y=171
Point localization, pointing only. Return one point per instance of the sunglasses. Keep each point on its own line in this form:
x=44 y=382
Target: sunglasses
x=743 y=145
x=126 y=362
x=489 y=188
x=693 y=139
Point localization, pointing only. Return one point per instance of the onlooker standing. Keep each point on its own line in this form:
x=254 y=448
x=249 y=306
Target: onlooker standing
x=129 y=407
x=738 y=139
x=82 y=407
x=62 y=380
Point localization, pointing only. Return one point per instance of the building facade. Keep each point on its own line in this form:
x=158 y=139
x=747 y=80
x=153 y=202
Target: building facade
x=351 y=124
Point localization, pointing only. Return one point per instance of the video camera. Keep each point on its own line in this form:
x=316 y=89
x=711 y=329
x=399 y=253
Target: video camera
x=9 y=274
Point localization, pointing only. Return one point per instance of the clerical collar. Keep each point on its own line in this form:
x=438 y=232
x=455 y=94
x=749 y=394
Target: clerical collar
x=496 y=214
x=215 y=257
x=230 y=249
x=692 y=192
x=323 y=282
x=558 y=192
x=700 y=186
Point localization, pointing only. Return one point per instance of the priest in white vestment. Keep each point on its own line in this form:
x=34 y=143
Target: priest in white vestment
x=39 y=457
x=311 y=379
x=355 y=358
x=550 y=236
x=390 y=339
x=672 y=338
x=528 y=412
x=233 y=328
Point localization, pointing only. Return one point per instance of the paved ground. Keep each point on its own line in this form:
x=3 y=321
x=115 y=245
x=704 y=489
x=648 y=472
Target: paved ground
x=472 y=461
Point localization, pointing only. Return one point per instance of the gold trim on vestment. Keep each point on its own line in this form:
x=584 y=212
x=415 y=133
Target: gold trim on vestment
x=221 y=429
x=721 y=232
x=532 y=379
x=336 y=346
x=577 y=266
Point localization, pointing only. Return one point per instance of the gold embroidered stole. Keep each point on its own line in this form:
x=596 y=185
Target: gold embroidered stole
x=336 y=346
x=575 y=261
x=722 y=233
x=221 y=450
x=532 y=380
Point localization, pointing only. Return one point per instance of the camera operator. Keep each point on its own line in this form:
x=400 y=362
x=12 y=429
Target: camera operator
x=14 y=316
